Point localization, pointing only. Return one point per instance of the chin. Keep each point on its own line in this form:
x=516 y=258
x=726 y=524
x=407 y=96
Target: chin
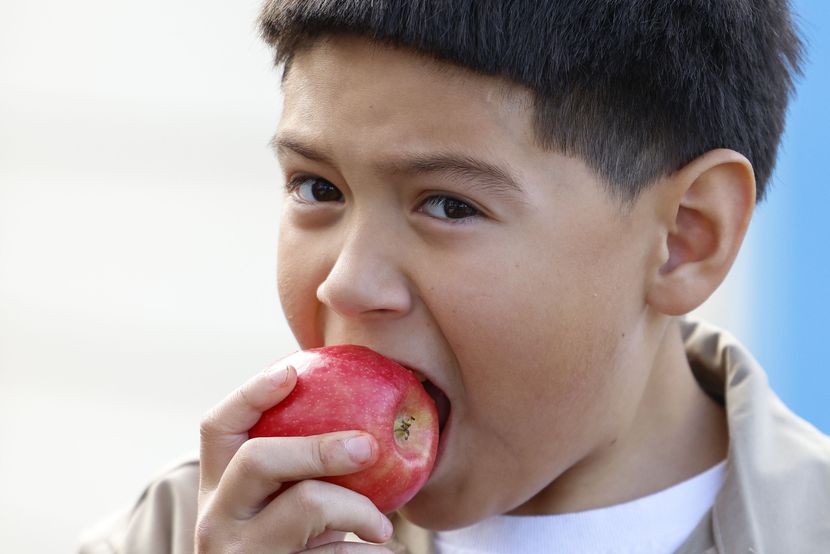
x=436 y=513
x=430 y=519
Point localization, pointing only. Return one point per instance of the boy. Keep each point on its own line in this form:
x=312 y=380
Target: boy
x=519 y=200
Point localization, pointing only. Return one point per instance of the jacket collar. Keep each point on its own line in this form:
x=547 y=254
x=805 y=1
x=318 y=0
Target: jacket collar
x=776 y=496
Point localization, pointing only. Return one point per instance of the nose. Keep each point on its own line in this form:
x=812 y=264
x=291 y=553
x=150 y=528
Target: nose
x=366 y=280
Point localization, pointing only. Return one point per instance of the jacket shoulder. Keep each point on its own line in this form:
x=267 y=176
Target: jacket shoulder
x=162 y=520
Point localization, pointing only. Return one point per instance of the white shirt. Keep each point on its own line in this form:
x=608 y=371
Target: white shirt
x=654 y=524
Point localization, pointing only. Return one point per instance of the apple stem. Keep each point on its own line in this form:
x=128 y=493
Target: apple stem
x=402 y=425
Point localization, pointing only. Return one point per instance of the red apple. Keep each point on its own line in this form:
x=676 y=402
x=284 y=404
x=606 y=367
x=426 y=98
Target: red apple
x=348 y=387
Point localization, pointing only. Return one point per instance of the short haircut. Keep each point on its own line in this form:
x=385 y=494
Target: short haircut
x=636 y=88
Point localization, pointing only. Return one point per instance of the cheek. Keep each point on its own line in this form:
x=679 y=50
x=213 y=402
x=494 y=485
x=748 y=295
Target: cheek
x=555 y=359
x=531 y=379
x=555 y=375
x=297 y=281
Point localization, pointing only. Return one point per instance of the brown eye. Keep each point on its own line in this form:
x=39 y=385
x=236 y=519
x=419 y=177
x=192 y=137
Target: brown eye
x=314 y=189
x=447 y=207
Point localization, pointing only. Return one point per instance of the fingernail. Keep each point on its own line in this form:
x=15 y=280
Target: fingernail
x=278 y=374
x=359 y=449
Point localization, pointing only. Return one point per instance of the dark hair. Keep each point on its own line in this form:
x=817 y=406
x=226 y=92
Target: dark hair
x=636 y=88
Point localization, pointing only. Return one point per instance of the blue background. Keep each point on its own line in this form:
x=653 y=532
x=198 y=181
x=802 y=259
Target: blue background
x=789 y=331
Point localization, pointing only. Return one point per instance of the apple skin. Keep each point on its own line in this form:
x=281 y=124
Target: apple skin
x=347 y=387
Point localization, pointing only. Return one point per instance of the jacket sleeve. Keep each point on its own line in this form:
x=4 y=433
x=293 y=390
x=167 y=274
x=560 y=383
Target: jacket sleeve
x=162 y=521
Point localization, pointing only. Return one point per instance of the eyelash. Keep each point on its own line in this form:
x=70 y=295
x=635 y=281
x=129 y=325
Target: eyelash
x=437 y=200
x=293 y=185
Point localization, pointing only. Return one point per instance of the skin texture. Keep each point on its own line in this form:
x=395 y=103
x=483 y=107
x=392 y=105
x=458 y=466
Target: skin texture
x=547 y=317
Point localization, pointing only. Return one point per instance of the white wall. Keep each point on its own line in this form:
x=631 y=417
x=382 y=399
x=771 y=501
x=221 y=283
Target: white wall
x=138 y=213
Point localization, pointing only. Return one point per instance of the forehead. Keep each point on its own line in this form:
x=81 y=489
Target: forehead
x=397 y=98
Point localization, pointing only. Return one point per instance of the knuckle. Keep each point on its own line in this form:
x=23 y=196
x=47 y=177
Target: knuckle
x=310 y=499
x=243 y=396
x=209 y=426
x=319 y=458
x=249 y=459
x=205 y=536
x=212 y=536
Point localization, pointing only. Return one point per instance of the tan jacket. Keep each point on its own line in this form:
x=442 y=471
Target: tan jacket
x=775 y=499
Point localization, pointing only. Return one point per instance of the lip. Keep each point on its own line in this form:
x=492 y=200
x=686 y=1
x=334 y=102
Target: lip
x=442 y=443
x=422 y=375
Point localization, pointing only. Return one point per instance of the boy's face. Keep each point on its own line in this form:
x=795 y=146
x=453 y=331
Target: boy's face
x=523 y=300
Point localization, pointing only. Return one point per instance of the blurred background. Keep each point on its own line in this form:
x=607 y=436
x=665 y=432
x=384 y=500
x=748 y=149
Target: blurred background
x=138 y=214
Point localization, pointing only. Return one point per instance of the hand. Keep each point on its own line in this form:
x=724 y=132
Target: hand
x=247 y=502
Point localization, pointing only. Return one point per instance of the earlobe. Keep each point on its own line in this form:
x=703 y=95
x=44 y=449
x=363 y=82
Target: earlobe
x=708 y=205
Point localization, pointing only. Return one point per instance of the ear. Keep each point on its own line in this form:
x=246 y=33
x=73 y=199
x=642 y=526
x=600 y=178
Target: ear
x=704 y=210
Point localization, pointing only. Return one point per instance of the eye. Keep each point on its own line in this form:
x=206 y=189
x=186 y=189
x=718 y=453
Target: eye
x=313 y=189
x=447 y=207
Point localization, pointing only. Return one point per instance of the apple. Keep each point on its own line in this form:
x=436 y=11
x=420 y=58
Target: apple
x=347 y=387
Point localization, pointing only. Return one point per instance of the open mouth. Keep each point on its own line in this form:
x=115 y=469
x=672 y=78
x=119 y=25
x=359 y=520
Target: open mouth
x=442 y=403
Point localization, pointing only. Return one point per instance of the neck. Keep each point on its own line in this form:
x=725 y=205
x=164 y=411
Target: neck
x=676 y=433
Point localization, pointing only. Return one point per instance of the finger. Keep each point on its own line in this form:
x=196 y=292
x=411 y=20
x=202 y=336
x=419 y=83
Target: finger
x=263 y=464
x=225 y=428
x=311 y=507
x=350 y=548
x=326 y=537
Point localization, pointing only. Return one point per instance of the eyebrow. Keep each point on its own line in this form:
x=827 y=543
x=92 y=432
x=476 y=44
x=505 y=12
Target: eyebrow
x=490 y=177
x=281 y=143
